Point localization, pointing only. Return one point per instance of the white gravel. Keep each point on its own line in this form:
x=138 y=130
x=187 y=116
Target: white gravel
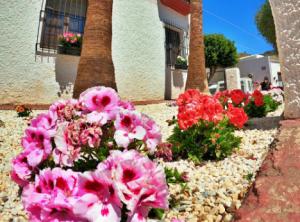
x=215 y=189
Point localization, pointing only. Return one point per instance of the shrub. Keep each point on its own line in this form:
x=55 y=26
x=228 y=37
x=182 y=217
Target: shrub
x=204 y=129
x=23 y=111
x=181 y=63
x=259 y=105
x=85 y=160
x=255 y=105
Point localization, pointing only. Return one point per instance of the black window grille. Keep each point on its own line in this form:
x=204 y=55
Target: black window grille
x=58 y=17
x=176 y=41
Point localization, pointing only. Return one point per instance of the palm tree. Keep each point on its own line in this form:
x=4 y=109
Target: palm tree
x=197 y=78
x=96 y=66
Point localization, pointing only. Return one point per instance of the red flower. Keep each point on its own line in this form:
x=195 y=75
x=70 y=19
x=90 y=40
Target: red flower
x=258 y=98
x=222 y=96
x=237 y=96
x=195 y=106
x=188 y=97
x=237 y=116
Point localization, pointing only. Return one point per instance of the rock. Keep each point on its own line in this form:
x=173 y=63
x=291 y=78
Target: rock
x=228 y=218
x=4 y=199
x=221 y=209
x=2 y=124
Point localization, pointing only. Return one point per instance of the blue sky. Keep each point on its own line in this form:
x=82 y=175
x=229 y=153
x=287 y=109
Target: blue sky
x=236 y=20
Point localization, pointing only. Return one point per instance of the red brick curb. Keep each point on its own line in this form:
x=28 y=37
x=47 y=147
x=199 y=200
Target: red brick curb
x=275 y=194
x=46 y=106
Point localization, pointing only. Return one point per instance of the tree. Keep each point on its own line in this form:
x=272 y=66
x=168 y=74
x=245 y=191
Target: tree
x=219 y=52
x=197 y=78
x=96 y=66
x=265 y=24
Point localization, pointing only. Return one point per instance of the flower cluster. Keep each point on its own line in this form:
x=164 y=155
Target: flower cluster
x=257 y=104
x=195 y=106
x=258 y=98
x=23 y=111
x=70 y=40
x=205 y=126
x=125 y=179
x=68 y=164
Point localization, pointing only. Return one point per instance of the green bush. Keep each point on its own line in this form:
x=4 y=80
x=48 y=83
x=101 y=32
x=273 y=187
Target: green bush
x=255 y=111
x=270 y=104
x=204 y=141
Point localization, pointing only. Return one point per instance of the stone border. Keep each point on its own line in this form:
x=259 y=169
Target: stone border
x=46 y=106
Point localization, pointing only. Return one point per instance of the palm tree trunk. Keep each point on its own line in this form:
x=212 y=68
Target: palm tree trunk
x=96 y=66
x=197 y=78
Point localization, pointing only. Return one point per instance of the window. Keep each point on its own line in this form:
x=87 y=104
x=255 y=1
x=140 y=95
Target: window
x=175 y=44
x=58 y=17
x=263 y=68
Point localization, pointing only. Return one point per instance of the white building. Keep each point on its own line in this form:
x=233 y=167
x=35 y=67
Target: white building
x=259 y=66
x=147 y=37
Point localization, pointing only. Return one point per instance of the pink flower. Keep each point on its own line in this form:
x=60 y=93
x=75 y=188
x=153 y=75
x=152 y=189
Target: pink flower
x=71 y=137
x=153 y=134
x=128 y=126
x=51 y=196
x=126 y=105
x=73 y=41
x=46 y=121
x=21 y=171
x=140 y=183
x=91 y=136
x=101 y=99
x=164 y=151
x=96 y=117
x=38 y=142
x=66 y=109
x=98 y=197
x=65 y=152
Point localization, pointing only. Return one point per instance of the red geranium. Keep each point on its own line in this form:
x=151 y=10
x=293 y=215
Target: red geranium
x=195 y=106
x=258 y=98
x=190 y=96
x=237 y=116
x=237 y=96
x=222 y=96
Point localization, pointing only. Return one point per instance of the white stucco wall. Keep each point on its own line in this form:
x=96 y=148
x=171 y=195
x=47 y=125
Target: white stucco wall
x=137 y=45
x=138 y=49
x=275 y=68
x=254 y=66
x=22 y=79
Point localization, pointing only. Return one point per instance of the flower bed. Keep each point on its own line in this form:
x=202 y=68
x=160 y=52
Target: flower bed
x=210 y=191
x=86 y=160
